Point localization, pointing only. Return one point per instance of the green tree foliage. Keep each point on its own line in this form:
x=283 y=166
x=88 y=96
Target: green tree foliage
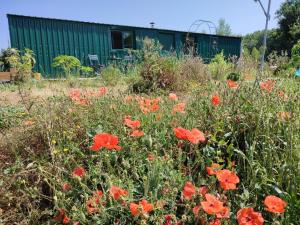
x=66 y=63
x=296 y=55
x=223 y=28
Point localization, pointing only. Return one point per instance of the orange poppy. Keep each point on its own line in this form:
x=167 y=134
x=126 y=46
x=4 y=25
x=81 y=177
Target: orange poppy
x=173 y=97
x=215 y=100
x=66 y=220
x=117 y=192
x=151 y=157
x=247 y=216
x=179 y=108
x=282 y=95
x=181 y=133
x=212 y=205
x=102 y=91
x=274 y=204
x=211 y=170
x=196 y=210
x=284 y=115
x=143 y=207
x=91 y=204
x=133 y=124
x=227 y=179
x=224 y=214
x=232 y=84
x=203 y=190
x=105 y=140
x=149 y=105
x=78 y=172
x=215 y=222
x=195 y=136
x=137 y=133
x=66 y=187
x=189 y=190
x=62 y=217
x=267 y=85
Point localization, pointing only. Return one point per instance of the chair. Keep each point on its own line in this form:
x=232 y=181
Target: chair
x=95 y=64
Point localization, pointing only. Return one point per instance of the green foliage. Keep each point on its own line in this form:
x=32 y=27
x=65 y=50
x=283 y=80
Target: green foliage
x=111 y=75
x=67 y=63
x=86 y=71
x=296 y=55
x=223 y=28
x=233 y=76
x=219 y=67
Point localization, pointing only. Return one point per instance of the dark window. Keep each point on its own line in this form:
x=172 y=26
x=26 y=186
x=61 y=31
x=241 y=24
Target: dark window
x=122 y=39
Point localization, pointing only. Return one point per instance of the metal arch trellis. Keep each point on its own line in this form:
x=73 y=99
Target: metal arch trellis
x=194 y=27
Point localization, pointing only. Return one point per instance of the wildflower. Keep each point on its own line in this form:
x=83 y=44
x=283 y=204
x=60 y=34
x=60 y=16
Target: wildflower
x=215 y=100
x=196 y=210
x=179 y=108
x=151 y=157
x=66 y=220
x=224 y=214
x=148 y=105
x=62 y=217
x=102 y=91
x=203 y=190
x=168 y=219
x=282 y=95
x=274 y=204
x=180 y=133
x=227 y=179
x=75 y=95
x=143 y=207
x=158 y=117
x=212 y=205
x=137 y=133
x=267 y=85
x=128 y=98
x=133 y=124
x=189 y=190
x=105 y=140
x=91 y=204
x=195 y=136
x=247 y=216
x=173 y=97
x=284 y=115
x=232 y=84
x=66 y=187
x=211 y=170
x=78 y=172
x=28 y=122
x=117 y=192
x=215 y=222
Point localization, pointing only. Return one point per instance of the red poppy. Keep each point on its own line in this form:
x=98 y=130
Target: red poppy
x=173 y=97
x=224 y=214
x=168 y=219
x=62 y=217
x=117 y=192
x=66 y=220
x=227 y=179
x=105 y=140
x=102 y=91
x=75 y=95
x=267 y=85
x=215 y=222
x=195 y=136
x=66 y=187
x=179 y=108
x=148 y=105
x=232 y=84
x=215 y=100
x=211 y=170
x=189 y=190
x=151 y=157
x=212 y=205
x=78 y=172
x=143 y=207
x=247 y=216
x=137 y=133
x=274 y=204
x=196 y=210
x=203 y=190
x=91 y=204
x=181 y=133
x=133 y=124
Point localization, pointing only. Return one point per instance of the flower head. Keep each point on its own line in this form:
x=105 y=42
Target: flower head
x=105 y=140
x=232 y=84
x=143 y=207
x=268 y=85
x=133 y=124
x=173 y=97
x=274 y=204
x=78 y=172
x=247 y=216
x=137 y=133
x=189 y=190
x=117 y=192
x=179 y=108
x=195 y=136
x=181 y=133
x=211 y=170
x=212 y=205
x=215 y=100
x=227 y=179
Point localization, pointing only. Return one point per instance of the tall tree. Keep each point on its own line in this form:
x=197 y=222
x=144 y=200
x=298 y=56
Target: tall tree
x=223 y=28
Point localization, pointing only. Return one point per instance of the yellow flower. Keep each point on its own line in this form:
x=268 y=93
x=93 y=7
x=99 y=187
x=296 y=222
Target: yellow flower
x=66 y=149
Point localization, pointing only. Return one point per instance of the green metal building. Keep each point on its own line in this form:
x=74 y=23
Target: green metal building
x=49 y=38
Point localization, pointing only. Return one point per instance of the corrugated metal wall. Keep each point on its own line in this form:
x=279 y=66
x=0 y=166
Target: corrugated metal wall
x=49 y=38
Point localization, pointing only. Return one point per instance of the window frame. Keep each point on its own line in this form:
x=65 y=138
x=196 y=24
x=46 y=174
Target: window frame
x=122 y=31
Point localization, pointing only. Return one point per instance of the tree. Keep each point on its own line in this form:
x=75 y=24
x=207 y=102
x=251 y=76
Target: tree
x=223 y=28
x=67 y=63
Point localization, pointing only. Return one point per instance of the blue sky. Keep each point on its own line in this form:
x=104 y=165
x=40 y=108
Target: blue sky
x=244 y=16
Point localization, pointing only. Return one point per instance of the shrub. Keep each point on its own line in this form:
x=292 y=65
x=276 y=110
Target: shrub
x=295 y=57
x=67 y=63
x=235 y=76
x=219 y=67
x=111 y=75
x=86 y=71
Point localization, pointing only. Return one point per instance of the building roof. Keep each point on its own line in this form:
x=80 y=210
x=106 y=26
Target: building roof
x=147 y=28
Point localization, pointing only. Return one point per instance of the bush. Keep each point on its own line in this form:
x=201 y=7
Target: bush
x=111 y=75
x=233 y=76
x=69 y=64
x=86 y=71
x=219 y=67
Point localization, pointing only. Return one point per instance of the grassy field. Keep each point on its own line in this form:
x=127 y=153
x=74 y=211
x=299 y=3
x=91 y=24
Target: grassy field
x=81 y=152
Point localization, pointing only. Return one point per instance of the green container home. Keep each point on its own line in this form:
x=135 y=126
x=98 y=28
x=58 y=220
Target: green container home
x=49 y=38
